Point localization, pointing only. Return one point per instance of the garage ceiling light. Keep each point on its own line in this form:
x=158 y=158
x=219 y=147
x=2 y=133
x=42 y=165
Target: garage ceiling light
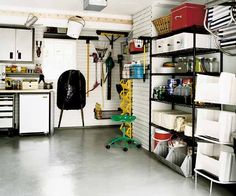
x=95 y=5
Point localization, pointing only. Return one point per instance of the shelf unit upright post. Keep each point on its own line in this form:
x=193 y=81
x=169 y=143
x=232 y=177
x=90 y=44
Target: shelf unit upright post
x=194 y=51
x=193 y=98
x=150 y=102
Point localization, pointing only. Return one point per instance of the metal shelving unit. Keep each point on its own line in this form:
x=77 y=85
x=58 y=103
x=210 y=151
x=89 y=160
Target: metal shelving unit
x=187 y=52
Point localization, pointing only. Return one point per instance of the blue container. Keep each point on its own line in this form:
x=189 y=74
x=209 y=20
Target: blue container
x=138 y=71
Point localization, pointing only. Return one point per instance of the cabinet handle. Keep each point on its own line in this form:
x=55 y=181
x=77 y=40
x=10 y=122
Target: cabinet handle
x=19 y=54
x=11 y=55
x=159 y=46
x=178 y=42
x=168 y=44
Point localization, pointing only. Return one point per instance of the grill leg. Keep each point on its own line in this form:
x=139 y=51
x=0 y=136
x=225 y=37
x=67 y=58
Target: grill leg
x=82 y=116
x=59 y=123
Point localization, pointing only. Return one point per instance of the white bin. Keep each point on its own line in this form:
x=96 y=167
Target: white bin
x=218 y=160
x=221 y=90
x=168 y=44
x=217 y=124
x=159 y=46
x=185 y=41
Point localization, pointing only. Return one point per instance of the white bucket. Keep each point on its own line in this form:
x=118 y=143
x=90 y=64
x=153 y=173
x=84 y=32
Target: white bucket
x=75 y=25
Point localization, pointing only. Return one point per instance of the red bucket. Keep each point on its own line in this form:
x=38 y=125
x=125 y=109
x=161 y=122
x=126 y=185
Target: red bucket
x=161 y=135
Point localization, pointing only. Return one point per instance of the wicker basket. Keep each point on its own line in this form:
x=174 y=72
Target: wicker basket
x=162 y=24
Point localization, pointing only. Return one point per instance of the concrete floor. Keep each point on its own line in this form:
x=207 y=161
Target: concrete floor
x=75 y=163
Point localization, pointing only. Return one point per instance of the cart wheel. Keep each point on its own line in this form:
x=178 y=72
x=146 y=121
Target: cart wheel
x=138 y=145
x=125 y=149
x=130 y=141
x=108 y=146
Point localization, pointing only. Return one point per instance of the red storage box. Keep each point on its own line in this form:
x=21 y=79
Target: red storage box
x=187 y=15
x=136 y=46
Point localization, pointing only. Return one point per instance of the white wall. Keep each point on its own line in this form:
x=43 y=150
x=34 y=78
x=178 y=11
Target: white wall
x=143 y=27
x=73 y=118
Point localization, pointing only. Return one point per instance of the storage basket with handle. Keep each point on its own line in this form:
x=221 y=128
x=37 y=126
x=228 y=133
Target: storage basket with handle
x=163 y=24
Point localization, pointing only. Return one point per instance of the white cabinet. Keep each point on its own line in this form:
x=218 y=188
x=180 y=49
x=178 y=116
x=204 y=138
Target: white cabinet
x=34 y=113
x=6 y=111
x=16 y=44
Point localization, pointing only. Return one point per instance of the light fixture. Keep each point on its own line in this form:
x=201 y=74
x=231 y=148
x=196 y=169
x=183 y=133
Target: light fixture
x=95 y=5
x=31 y=20
x=75 y=25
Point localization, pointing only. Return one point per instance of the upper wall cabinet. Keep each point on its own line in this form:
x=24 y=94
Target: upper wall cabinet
x=16 y=45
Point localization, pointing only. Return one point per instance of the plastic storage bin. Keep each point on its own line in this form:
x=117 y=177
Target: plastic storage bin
x=218 y=160
x=187 y=15
x=185 y=41
x=166 y=118
x=174 y=159
x=221 y=90
x=168 y=44
x=216 y=124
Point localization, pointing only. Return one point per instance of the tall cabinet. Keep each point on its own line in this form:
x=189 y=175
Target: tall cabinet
x=189 y=42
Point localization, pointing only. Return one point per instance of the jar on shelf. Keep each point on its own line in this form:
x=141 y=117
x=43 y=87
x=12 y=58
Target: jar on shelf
x=213 y=65
x=190 y=65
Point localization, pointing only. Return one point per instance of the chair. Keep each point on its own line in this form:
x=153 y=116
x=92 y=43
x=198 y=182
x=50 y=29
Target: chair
x=123 y=141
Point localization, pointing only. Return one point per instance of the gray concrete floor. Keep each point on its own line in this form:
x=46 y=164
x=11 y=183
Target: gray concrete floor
x=75 y=163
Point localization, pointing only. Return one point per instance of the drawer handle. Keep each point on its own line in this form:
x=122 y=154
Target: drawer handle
x=178 y=42
x=178 y=17
x=168 y=44
x=159 y=46
x=5 y=116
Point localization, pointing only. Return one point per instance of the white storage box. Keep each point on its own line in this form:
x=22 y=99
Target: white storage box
x=29 y=84
x=218 y=160
x=185 y=40
x=168 y=44
x=221 y=90
x=217 y=124
x=159 y=46
x=166 y=118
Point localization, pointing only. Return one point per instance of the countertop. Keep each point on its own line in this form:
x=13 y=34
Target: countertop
x=27 y=91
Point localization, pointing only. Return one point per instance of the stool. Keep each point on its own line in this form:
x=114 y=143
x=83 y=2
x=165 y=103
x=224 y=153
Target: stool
x=123 y=141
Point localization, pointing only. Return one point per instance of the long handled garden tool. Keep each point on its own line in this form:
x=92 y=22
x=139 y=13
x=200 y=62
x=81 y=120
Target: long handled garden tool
x=96 y=84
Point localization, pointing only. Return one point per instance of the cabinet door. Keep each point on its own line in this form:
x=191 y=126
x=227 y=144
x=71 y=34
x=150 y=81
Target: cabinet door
x=34 y=113
x=7 y=44
x=24 y=45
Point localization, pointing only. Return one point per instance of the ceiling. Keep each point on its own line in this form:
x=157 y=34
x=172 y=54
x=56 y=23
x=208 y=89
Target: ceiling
x=118 y=7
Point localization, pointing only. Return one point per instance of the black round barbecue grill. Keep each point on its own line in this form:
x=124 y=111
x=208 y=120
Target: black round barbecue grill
x=71 y=92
